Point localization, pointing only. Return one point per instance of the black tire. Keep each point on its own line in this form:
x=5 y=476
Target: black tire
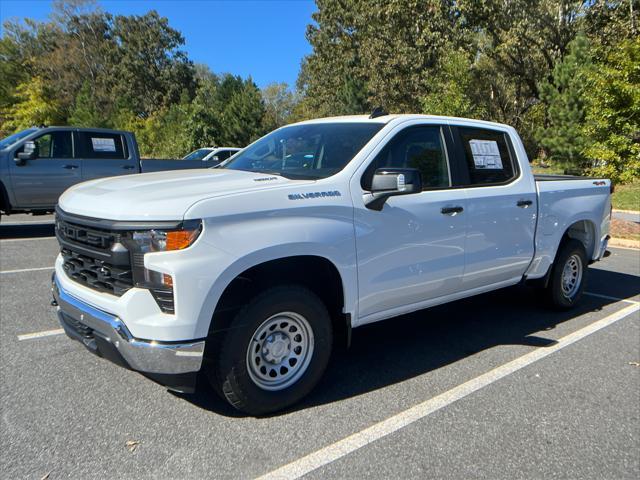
x=566 y=298
x=229 y=370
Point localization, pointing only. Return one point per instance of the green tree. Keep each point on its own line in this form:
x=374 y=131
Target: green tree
x=613 y=113
x=279 y=103
x=375 y=53
x=85 y=113
x=451 y=89
x=563 y=137
x=35 y=105
x=204 y=121
x=243 y=116
x=149 y=69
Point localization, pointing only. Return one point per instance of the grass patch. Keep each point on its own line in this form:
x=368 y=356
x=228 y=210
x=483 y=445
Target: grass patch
x=627 y=197
x=550 y=169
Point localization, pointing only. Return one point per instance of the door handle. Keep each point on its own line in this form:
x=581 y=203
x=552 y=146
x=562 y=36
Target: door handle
x=70 y=167
x=524 y=203
x=128 y=167
x=451 y=210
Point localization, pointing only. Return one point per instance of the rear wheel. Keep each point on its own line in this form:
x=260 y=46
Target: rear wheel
x=274 y=352
x=568 y=276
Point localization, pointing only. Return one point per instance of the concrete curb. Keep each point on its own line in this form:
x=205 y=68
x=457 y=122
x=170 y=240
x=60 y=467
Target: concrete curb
x=624 y=243
x=633 y=212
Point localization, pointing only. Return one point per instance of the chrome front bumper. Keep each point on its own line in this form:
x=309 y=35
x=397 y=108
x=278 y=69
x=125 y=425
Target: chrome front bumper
x=104 y=334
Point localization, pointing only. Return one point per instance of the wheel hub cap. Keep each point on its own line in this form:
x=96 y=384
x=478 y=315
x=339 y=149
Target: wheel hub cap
x=280 y=351
x=276 y=348
x=571 y=276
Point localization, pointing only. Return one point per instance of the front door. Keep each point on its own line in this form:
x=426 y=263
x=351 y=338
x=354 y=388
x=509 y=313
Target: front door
x=412 y=250
x=40 y=181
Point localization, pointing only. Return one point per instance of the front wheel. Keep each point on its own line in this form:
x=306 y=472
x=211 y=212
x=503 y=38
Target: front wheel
x=569 y=275
x=274 y=352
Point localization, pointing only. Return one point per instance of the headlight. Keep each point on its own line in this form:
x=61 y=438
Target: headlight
x=149 y=241
x=164 y=240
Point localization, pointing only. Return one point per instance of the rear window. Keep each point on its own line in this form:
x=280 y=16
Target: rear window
x=488 y=157
x=101 y=145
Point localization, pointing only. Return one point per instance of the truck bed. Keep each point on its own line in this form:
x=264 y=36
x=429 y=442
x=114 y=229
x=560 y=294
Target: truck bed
x=543 y=177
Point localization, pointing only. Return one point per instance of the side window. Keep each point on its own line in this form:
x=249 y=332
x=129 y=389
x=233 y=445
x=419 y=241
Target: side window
x=101 y=145
x=419 y=147
x=54 y=145
x=487 y=156
x=222 y=155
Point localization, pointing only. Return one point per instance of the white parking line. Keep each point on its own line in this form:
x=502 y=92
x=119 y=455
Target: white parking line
x=21 y=270
x=350 y=444
x=608 y=297
x=46 y=333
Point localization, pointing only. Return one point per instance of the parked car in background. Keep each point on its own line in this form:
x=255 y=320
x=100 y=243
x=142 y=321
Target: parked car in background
x=38 y=164
x=252 y=272
x=199 y=154
x=214 y=155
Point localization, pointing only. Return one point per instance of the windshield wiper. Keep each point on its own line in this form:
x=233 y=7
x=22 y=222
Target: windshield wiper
x=289 y=175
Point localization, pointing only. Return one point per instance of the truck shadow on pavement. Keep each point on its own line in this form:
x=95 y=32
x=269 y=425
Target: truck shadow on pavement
x=389 y=352
x=31 y=230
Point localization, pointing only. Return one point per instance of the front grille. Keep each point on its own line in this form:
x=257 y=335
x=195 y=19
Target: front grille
x=94 y=257
x=96 y=274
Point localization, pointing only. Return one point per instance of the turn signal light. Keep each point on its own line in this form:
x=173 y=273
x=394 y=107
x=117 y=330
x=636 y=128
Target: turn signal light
x=179 y=239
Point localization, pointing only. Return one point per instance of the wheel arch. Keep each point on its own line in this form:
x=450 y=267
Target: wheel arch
x=317 y=272
x=585 y=232
x=5 y=205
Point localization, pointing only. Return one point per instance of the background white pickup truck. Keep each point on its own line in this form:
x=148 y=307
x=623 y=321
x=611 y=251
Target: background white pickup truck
x=251 y=272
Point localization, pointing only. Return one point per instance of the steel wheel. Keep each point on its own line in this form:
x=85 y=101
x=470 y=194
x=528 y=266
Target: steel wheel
x=280 y=351
x=572 y=276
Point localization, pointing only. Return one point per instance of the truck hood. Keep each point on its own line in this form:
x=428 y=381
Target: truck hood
x=162 y=195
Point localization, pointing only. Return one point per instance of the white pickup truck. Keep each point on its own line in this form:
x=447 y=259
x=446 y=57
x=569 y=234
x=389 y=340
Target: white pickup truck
x=251 y=272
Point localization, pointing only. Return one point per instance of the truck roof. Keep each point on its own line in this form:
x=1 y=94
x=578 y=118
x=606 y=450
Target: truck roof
x=397 y=116
x=83 y=129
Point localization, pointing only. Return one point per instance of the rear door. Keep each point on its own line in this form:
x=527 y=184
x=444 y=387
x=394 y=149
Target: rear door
x=501 y=208
x=40 y=181
x=105 y=154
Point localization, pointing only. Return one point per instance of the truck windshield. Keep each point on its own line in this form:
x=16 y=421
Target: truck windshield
x=310 y=151
x=16 y=137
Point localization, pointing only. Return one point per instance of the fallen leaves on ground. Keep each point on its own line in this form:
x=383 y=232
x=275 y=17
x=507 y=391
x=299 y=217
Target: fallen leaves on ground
x=132 y=445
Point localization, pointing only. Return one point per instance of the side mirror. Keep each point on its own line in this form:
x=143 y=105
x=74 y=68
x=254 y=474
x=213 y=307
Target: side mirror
x=29 y=152
x=390 y=182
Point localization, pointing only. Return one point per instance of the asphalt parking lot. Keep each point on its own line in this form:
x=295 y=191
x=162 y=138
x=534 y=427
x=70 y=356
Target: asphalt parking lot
x=495 y=386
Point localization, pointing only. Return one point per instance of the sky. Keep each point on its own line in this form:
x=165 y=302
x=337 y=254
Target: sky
x=262 y=39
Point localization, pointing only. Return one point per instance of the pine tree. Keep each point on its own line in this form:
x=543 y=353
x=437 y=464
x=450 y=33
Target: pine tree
x=563 y=137
x=243 y=116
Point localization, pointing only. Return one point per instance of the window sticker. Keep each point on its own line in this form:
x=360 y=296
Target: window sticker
x=103 y=144
x=486 y=154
